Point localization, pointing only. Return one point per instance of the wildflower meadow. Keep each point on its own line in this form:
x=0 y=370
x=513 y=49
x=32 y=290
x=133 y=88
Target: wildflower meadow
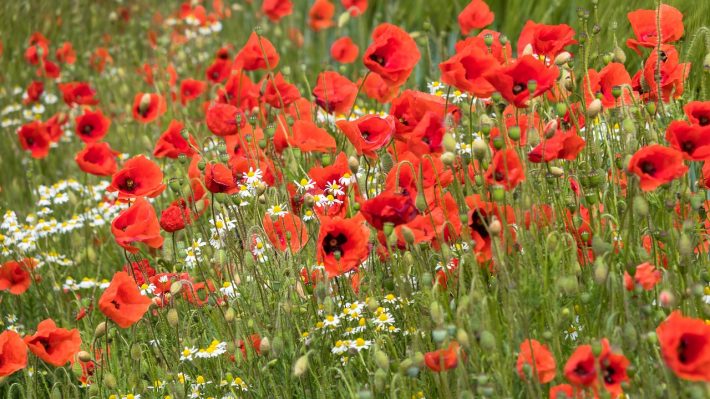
x=354 y=199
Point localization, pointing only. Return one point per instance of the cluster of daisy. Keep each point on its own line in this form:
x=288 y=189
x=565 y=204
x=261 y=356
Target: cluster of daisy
x=214 y=349
x=251 y=182
x=15 y=114
x=439 y=89
x=199 y=384
x=11 y=322
x=193 y=253
x=84 y=284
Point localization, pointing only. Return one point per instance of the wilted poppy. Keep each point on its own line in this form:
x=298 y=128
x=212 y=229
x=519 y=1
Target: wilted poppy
x=514 y=81
x=54 y=345
x=138 y=223
x=286 y=232
x=538 y=357
x=15 y=276
x=546 y=40
x=171 y=143
x=320 y=15
x=123 y=302
x=92 y=126
x=34 y=137
x=342 y=244
x=443 y=359
x=656 y=165
x=685 y=346
x=97 y=159
x=344 y=50
x=175 y=217
x=257 y=53
x=147 y=107
x=392 y=54
x=334 y=92
x=139 y=177
x=368 y=133
x=476 y=15
x=693 y=141
x=13 y=353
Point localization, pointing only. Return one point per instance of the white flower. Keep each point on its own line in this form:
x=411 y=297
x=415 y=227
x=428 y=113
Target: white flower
x=305 y=185
x=347 y=179
x=334 y=188
x=252 y=176
x=277 y=210
x=360 y=344
x=340 y=347
x=188 y=353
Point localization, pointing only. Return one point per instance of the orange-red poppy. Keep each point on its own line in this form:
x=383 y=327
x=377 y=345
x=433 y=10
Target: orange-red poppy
x=97 y=159
x=54 y=345
x=147 y=107
x=171 y=143
x=656 y=165
x=344 y=50
x=545 y=40
x=191 y=89
x=392 y=54
x=286 y=232
x=505 y=169
x=476 y=15
x=368 y=134
x=540 y=360
x=13 y=353
x=123 y=302
x=466 y=69
x=644 y=24
x=308 y=137
x=139 y=177
x=15 y=276
x=443 y=359
x=693 y=141
x=138 y=223
x=513 y=81
x=277 y=9
x=257 y=53
x=92 y=126
x=334 y=92
x=342 y=244
x=34 y=138
x=320 y=16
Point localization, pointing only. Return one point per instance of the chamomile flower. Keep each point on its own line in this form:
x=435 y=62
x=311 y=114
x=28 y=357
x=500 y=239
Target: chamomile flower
x=305 y=184
x=188 y=353
x=228 y=290
x=360 y=344
x=253 y=176
x=277 y=210
x=347 y=179
x=435 y=86
x=331 y=321
x=334 y=188
x=383 y=319
x=340 y=347
x=308 y=215
x=215 y=349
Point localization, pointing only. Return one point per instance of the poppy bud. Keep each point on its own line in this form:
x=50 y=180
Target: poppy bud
x=487 y=341
x=594 y=108
x=100 y=330
x=201 y=164
x=557 y=171
x=528 y=50
x=497 y=193
x=514 y=133
x=135 y=351
x=408 y=235
x=532 y=85
x=618 y=55
x=640 y=206
x=353 y=164
x=83 y=356
x=343 y=19
x=386 y=162
x=144 y=103
x=651 y=108
x=380 y=380
x=439 y=335
x=480 y=148
x=301 y=366
x=265 y=345
x=685 y=245
x=601 y=271
x=420 y=202
x=381 y=360
x=172 y=317
x=109 y=380
x=462 y=338
x=449 y=142
x=437 y=313
x=488 y=39
x=563 y=58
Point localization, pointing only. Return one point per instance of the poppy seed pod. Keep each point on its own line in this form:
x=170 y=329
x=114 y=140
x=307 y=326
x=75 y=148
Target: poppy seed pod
x=84 y=356
x=480 y=148
x=172 y=317
x=563 y=58
x=100 y=330
x=301 y=366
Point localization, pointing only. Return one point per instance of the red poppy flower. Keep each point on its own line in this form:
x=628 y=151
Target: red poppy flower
x=286 y=232
x=512 y=81
x=257 y=53
x=54 y=126
x=92 y=126
x=693 y=141
x=15 y=276
x=368 y=133
x=480 y=214
x=278 y=92
x=141 y=271
x=501 y=53
x=646 y=276
x=410 y=108
x=389 y=207
x=34 y=92
x=344 y=50
x=175 y=217
x=219 y=70
x=505 y=169
x=240 y=91
x=219 y=179
x=392 y=54
x=66 y=53
x=354 y=7
x=147 y=107
x=547 y=40
x=138 y=223
x=97 y=159
x=34 y=137
x=139 y=177
x=377 y=89
x=685 y=346
x=613 y=369
x=644 y=24
x=277 y=9
x=466 y=70
x=99 y=58
x=564 y=391
x=698 y=112
x=342 y=244
x=171 y=143
x=334 y=92
x=308 y=137
x=54 y=345
x=656 y=165
x=321 y=15
x=562 y=145
x=78 y=93
x=123 y=302
x=255 y=344
x=191 y=89
x=539 y=358
x=673 y=75
x=222 y=119
x=476 y=15
x=428 y=135
x=443 y=359
x=580 y=369
x=601 y=84
x=13 y=353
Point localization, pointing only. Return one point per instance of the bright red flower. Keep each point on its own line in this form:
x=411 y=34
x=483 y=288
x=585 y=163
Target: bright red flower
x=377 y=89
x=257 y=53
x=171 y=143
x=547 y=40
x=321 y=15
x=175 y=217
x=411 y=107
x=443 y=359
x=646 y=276
x=562 y=145
x=505 y=169
x=344 y=50
x=139 y=177
x=513 y=81
x=191 y=89
x=286 y=232
x=476 y=15
x=308 y=137
x=219 y=70
x=539 y=358
x=580 y=369
x=78 y=93
x=673 y=75
x=698 y=112
x=34 y=137
x=393 y=54
x=644 y=24
x=54 y=345
x=13 y=353
x=342 y=244
x=601 y=84
x=355 y=7
x=502 y=53
x=97 y=159
x=66 y=53
x=334 y=92
x=389 y=207
x=147 y=107
x=34 y=92
x=656 y=165
x=219 y=179
x=15 y=276
x=277 y=9
x=368 y=134
x=685 y=346
x=224 y=119
x=693 y=141
x=92 y=126
x=123 y=302
x=466 y=70
x=613 y=369
x=138 y=223
x=278 y=92
x=564 y=391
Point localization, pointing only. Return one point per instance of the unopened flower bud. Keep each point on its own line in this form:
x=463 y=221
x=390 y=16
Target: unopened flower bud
x=301 y=366
x=563 y=58
x=594 y=108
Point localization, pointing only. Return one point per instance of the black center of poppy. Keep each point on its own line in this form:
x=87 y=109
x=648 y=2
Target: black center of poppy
x=498 y=176
x=609 y=375
x=663 y=56
x=378 y=59
x=87 y=129
x=648 y=167
x=215 y=75
x=128 y=184
x=365 y=135
x=687 y=146
x=30 y=141
x=333 y=243
x=478 y=224
x=704 y=121
x=518 y=88
x=115 y=304
x=580 y=370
